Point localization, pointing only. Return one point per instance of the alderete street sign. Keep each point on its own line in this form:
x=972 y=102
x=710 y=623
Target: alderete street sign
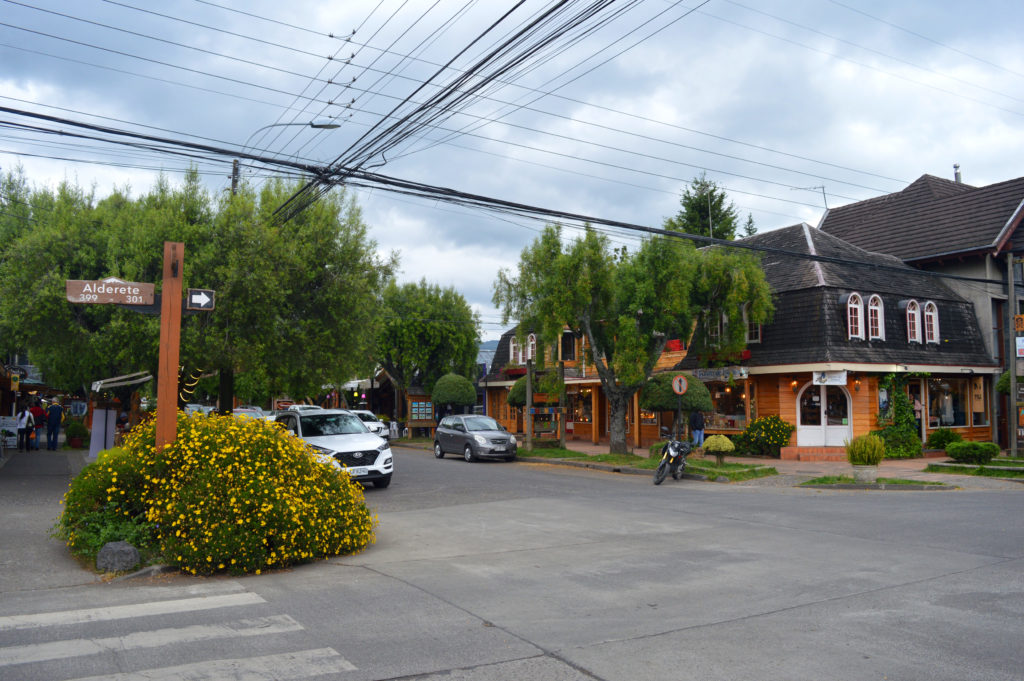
x=109 y=290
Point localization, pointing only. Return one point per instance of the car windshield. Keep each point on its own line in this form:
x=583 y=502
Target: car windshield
x=365 y=416
x=317 y=425
x=482 y=423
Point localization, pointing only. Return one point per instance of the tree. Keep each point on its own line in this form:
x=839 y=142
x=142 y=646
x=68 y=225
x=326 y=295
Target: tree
x=426 y=332
x=452 y=389
x=748 y=227
x=657 y=395
x=628 y=304
x=705 y=210
x=296 y=303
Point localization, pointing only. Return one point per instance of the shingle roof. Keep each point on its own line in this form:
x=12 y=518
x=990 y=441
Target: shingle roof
x=930 y=218
x=809 y=325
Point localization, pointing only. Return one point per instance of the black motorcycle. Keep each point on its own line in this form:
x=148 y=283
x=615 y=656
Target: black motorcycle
x=673 y=460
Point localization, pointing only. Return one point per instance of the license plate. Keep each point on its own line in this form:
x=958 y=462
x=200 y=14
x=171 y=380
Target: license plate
x=358 y=472
x=499 y=449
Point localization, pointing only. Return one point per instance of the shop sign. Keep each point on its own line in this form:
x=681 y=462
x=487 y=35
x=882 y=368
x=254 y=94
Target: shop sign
x=1020 y=346
x=722 y=374
x=830 y=378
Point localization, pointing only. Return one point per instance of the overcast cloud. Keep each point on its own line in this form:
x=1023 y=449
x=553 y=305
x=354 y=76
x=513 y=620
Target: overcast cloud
x=773 y=99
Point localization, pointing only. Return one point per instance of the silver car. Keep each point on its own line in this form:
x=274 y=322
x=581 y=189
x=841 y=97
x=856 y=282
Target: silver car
x=474 y=436
x=372 y=423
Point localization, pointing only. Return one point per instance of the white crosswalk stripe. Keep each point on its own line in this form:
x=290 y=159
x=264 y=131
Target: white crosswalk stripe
x=28 y=658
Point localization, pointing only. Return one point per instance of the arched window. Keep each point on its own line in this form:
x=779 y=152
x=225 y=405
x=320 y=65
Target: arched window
x=876 y=318
x=913 y=322
x=855 y=316
x=513 y=351
x=531 y=347
x=931 y=323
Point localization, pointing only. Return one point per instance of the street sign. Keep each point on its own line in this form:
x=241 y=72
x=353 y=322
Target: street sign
x=109 y=290
x=679 y=385
x=199 y=299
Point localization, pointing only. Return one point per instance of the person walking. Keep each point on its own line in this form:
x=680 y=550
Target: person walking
x=54 y=417
x=697 y=428
x=25 y=426
x=39 y=416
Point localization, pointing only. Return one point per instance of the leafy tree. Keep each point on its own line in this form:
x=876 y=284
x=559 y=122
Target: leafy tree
x=749 y=229
x=517 y=393
x=705 y=210
x=627 y=304
x=295 y=304
x=657 y=395
x=452 y=389
x=426 y=332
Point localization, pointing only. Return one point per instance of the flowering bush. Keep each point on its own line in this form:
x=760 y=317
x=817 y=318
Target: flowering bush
x=234 y=495
x=765 y=436
x=719 y=445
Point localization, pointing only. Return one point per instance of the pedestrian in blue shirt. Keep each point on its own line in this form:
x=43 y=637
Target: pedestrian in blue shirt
x=54 y=417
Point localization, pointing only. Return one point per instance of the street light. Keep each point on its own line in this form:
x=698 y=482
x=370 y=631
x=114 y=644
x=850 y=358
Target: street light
x=320 y=124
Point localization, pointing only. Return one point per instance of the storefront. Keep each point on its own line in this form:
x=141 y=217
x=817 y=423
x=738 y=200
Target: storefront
x=733 y=397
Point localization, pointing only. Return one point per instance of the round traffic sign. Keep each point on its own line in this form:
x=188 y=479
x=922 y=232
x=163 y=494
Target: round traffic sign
x=679 y=385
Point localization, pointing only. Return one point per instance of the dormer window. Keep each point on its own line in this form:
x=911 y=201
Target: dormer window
x=876 y=318
x=931 y=323
x=855 y=317
x=531 y=346
x=913 y=322
x=513 y=351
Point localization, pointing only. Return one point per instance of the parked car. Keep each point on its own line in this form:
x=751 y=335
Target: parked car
x=475 y=437
x=371 y=421
x=248 y=413
x=339 y=435
x=304 y=407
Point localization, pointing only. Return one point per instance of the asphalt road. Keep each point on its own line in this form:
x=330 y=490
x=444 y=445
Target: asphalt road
x=495 y=571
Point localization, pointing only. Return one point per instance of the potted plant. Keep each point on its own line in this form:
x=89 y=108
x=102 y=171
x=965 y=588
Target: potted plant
x=864 y=453
x=75 y=433
x=718 y=445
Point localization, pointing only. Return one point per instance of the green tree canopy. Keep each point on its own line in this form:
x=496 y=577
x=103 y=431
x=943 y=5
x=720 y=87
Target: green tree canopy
x=295 y=303
x=657 y=395
x=426 y=332
x=453 y=389
x=705 y=209
x=628 y=304
x=517 y=393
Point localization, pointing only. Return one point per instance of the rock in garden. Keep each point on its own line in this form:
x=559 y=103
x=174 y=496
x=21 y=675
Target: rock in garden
x=117 y=556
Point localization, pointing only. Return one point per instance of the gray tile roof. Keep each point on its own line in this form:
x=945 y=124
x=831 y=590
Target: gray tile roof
x=931 y=218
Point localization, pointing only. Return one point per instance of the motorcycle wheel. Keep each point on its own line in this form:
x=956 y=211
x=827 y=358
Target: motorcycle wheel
x=661 y=472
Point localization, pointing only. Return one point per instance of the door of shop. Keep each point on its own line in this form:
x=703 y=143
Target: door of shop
x=823 y=416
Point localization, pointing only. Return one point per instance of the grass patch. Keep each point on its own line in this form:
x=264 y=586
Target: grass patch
x=552 y=453
x=974 y=470
x=1006 y=461
x=736 y=472
x=848 y=480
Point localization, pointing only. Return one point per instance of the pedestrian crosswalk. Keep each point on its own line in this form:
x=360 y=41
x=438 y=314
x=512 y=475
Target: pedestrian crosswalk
x=206 y=637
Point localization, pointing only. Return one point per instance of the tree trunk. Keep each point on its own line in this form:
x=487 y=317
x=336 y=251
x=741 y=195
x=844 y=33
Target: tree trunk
x=226 y=391
x=618 y=407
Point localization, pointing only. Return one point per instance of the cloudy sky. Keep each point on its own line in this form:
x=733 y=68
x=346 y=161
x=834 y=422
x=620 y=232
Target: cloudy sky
x=788 y=104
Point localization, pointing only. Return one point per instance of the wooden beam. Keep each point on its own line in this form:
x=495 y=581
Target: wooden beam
x=170 y=342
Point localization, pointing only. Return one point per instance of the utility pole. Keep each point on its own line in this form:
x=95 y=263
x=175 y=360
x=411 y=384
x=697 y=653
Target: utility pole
x=226 y=379
x=1011 y=356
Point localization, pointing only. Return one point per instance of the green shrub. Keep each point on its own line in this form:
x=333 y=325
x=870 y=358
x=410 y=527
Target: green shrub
x=938 y=439
x=103 y=505
x=979 y=453
x=765 y=436
x=719 y=445
x=901 y=442
x=232 y=495
x=75 y=428
x=865 y=450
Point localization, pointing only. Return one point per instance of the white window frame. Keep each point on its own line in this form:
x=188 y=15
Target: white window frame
x=531 y=347
x=876 y=310
x=855 y=317
x=753 y=330
x=513 y=351
x=931 y=322
x=913 y=322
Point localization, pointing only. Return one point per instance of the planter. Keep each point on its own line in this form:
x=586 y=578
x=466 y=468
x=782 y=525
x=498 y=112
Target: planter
x=75 y=442
x=865 y=474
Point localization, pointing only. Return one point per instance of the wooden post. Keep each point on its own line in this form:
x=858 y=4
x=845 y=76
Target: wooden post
x=170 y=341
x=529 y=405
x=561 y=404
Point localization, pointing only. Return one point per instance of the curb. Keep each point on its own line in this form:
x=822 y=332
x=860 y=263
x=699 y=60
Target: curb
x=148 y=571
x=883 y=486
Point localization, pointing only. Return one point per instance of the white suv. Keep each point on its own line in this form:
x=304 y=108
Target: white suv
x=373 y=424
x=339 y=435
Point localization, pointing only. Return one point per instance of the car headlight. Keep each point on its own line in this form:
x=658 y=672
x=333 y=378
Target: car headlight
x=480 y=439
x=511 y=439
x=383 y=447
